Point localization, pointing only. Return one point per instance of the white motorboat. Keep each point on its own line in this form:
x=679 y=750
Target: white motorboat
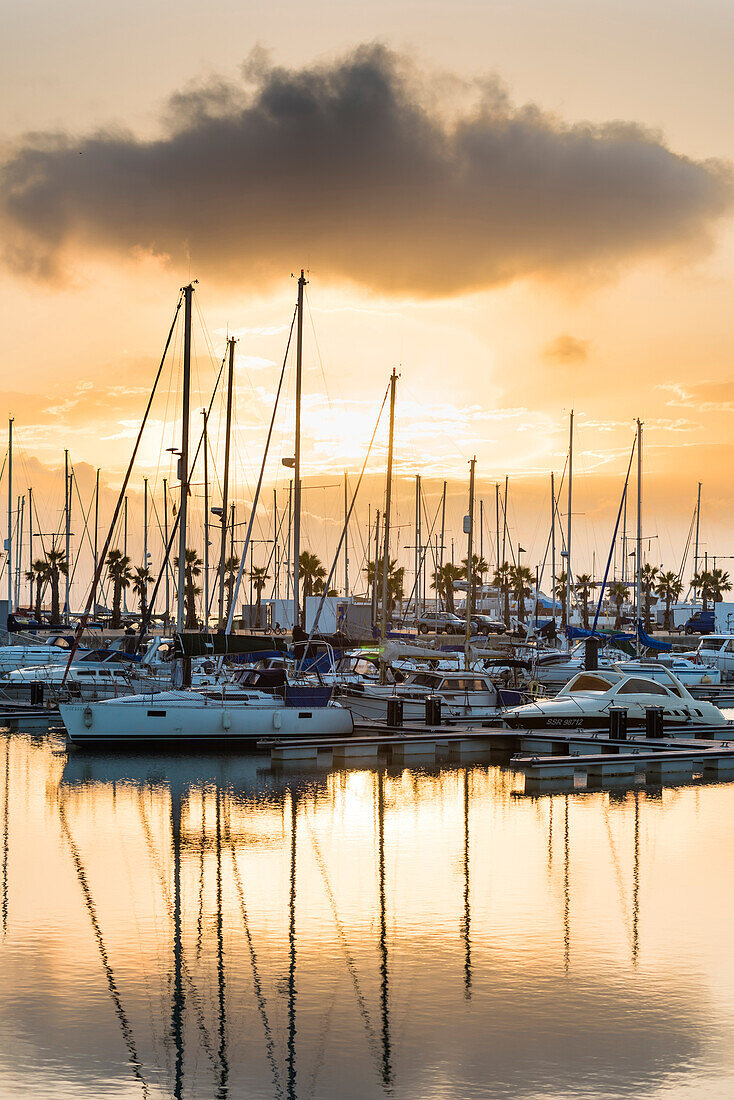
x=98 y=674
x=555 y=668
x=55 y=650
x=465 y=696
x=689 y=672
x=226 y=716
x=585 y=702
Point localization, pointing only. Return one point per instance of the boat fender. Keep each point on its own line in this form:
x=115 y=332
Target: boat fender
x=226 y=719
x=87 y=717
x=276 y=719
x=705 y=679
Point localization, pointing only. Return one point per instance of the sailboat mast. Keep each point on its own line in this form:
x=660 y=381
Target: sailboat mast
x=184 y=460
x=388 y=495
x=639 y=531
x=504 y=525
x=206 y=519
x=30 y=539
x=225 y=485
x=374 y=571
x=346 y=536
x=9 y=542
x=553 y=546
x=297 y=461
x=469 y=564
x=96 y=526
x=67 y=516
x=569 y=523
x=698 y=526
x=166 y=564
x=21 y=513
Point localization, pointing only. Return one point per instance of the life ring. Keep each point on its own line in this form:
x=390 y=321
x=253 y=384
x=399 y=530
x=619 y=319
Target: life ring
x=535 y=688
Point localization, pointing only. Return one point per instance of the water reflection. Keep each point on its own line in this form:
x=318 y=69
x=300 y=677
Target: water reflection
x=209 y=927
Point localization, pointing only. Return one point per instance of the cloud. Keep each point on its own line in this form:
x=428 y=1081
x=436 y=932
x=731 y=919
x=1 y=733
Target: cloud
x=253 y=362
x=566 y=350
x=358 y=168
x=706 y=396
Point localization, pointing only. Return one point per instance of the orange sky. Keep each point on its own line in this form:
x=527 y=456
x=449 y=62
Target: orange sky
x=604 y=284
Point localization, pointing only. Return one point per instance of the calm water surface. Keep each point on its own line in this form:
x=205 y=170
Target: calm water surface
x=212 y=928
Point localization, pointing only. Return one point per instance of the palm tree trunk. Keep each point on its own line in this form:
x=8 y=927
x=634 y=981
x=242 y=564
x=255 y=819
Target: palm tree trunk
x=116 y=603
x=55 y=608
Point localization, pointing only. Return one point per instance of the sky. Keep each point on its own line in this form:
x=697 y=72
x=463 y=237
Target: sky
x=522 y=207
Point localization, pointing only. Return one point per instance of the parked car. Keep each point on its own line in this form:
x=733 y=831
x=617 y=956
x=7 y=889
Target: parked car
x=486 y=624
x=441 y=623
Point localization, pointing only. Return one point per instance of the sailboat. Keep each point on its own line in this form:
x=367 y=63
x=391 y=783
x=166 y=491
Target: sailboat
x=226 y=713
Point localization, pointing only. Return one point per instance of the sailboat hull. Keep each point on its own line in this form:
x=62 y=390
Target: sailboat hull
x=165 y=723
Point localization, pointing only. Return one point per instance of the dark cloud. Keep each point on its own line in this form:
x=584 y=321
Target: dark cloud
x=566 y=350
x=356 y=169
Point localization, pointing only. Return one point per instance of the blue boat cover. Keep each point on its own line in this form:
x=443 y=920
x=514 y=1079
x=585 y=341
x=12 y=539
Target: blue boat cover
x=651 y=643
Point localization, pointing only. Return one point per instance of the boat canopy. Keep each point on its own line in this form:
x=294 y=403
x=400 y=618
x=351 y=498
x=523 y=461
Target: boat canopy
x=218 y=645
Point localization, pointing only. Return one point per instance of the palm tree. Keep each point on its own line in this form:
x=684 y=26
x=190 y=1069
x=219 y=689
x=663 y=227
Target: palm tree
x=712 y=584
x=479 y=568
x=720 y=584
x=231 y=569
x=669 y=587
x=118 y=570
x=259 y=576
x=310 y=570
x=503 y=580
x=561 y=593
x=619 y=592
x=648 y=576
x=521 y=580
x=140 y=580
x=192 y=569
x=443 y=582
x=38 y=574
x=57 y=567
x=584 y=585
x=395 y=581
x=702 y=584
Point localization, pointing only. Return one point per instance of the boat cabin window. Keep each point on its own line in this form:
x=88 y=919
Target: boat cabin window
x=642 y=687
x=589 y=683
x=711 y=643
x=463 y=683
x=425 y=679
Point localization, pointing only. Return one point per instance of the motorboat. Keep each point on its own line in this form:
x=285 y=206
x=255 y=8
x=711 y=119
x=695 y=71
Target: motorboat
x=465 y=696
x=554 y=668
x=585 y=702
x=717 y=650
x=55 y=650
x=97 y=674
x=228 y=715
x=692 y=673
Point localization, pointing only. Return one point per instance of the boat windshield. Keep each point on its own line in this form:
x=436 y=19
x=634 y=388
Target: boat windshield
x=637 y=686
x=586 y=681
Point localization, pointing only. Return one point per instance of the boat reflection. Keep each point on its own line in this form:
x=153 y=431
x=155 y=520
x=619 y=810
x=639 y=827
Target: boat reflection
x=219 y=929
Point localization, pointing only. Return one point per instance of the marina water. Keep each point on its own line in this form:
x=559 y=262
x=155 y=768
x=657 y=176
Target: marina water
x=209 y=927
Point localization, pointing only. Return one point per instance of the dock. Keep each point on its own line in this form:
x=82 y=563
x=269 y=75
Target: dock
x=539 y=754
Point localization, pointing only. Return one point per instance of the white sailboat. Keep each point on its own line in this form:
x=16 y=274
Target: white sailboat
x=227 y=717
